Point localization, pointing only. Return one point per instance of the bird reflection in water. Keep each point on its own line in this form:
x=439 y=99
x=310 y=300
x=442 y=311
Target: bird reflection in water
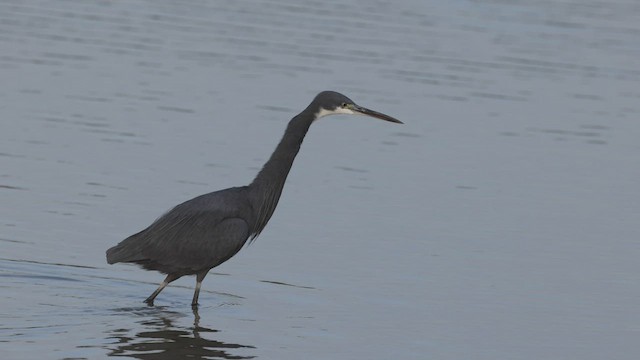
x=164 y=340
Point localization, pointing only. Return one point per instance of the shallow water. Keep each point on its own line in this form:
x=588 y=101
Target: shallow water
x=500 y=222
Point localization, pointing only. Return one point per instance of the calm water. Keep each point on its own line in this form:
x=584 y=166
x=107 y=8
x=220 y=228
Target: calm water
x=500 y=222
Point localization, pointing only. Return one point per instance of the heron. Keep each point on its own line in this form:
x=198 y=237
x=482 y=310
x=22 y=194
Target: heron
x=204 y=232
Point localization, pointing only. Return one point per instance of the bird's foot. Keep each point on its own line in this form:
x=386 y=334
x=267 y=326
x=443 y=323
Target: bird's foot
x=149 y=302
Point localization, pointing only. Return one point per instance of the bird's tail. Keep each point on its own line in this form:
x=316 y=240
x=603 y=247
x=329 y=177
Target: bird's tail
x=115 y=255
x=128 y=250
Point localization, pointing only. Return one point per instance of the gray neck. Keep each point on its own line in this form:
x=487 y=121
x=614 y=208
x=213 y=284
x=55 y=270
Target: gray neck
x=267 y=186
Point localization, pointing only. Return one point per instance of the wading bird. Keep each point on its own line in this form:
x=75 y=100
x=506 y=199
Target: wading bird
x=202 y=233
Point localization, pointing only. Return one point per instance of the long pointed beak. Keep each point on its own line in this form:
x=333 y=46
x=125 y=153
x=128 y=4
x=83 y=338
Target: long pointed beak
x=368 y=112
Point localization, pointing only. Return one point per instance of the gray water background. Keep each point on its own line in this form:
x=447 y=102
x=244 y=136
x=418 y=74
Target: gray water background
x=500 y=222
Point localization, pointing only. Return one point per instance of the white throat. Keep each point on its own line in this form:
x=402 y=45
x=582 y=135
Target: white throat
x=339 y=110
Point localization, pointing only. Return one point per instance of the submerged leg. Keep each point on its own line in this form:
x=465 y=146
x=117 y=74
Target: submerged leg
x=163 y=284
x=199 y=277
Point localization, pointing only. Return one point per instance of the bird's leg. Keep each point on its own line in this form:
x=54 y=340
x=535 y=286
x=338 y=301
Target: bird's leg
x=163 y=284
x=199 y=277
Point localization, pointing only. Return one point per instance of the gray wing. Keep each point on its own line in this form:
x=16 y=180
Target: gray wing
x=193 y=236
x=196 y=243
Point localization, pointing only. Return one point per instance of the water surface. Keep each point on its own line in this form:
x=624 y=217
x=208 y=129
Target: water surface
x=500 y=222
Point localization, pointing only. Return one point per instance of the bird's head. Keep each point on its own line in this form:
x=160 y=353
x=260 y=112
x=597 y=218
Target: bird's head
x=331 y=102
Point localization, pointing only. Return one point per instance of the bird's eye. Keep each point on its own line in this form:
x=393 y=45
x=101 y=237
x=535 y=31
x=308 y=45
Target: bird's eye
x=343 y=105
